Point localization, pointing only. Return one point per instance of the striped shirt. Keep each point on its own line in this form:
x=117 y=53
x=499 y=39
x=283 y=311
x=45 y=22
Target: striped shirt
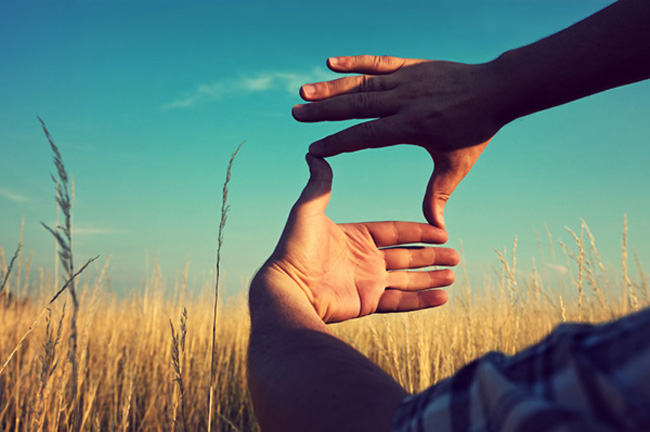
x=579 y=378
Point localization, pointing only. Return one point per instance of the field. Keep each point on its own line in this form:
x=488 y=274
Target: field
x=76 y=357
x=129 y=364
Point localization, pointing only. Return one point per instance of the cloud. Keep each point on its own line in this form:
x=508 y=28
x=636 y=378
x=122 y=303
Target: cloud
x=258 y=84
x=209 y=92
x=559 y=269
x=12 y=196
x=88 y=231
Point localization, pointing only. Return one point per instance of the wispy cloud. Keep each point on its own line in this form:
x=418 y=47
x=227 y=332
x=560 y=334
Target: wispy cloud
x=89 y=231
x=559 y=269
x=208 y=92
x=12 y=196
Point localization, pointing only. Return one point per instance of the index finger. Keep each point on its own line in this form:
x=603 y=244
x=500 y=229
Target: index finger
x=394 y=233
x=382 y=132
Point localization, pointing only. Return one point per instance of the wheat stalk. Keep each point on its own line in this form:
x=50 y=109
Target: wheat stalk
x=178 y=349
x=626 y=278
x=222 y=224
x=644 y=280
x=63 y=237
x=48 y=365
x=5 y=279
x=580 y=259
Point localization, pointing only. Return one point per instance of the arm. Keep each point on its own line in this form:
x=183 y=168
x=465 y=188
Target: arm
x=453 y=109
x=609 y=49
x=301 y=376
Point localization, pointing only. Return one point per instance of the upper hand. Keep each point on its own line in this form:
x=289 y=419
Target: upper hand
x=447 y=108
x=344 y=270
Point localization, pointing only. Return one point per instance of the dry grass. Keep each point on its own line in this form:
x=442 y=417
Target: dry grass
x=129 y=372
x=126 y=378
x=122 y=370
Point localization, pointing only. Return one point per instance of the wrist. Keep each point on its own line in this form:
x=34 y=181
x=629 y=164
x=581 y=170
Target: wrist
x=276 y=299
x=506 y=88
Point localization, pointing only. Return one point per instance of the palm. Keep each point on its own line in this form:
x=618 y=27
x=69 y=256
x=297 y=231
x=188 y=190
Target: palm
x=348 y=268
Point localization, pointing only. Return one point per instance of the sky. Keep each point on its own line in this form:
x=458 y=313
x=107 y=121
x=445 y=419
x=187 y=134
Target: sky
x=147 y=100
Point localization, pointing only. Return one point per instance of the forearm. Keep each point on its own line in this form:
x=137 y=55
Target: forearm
x=303 y=378
x=608 y=49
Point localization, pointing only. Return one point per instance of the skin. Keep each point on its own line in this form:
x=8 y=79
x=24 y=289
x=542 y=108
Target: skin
x=323 y=272
x=301 y=376
x=453 y=109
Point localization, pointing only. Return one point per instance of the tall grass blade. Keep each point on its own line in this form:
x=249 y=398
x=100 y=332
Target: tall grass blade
x=222 y=224
x=63 y=236
x=5 y=279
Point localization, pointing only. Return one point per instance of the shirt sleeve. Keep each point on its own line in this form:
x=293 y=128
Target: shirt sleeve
x=579 y=378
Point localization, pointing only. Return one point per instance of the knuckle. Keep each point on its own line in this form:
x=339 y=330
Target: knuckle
x=326 y=89
x=364 y=60
x=385 y=60
x=448 y=277
x=455 y=258
x=412 y=261
x=392 y=63
x=442 y=196
x=335 y=86
x=432 y=256
x=366 y=132
x=365 y=83
x=360 y=103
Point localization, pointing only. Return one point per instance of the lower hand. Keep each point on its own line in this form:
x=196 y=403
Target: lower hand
x=351 y=270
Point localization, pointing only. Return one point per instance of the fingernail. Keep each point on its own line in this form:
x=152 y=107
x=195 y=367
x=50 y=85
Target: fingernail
x=334 y=61
x=316 y=148
x=297 y=110
x=308 y=89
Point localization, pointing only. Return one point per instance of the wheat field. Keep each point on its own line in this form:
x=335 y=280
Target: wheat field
x=74 y=356
x=131 y=365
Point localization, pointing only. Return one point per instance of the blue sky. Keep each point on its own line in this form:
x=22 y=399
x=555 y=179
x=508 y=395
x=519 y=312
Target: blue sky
x=146 y=101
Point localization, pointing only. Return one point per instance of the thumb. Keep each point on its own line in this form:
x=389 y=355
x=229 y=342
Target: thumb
x=442 y=183
x=449 y=169
x=316 y=195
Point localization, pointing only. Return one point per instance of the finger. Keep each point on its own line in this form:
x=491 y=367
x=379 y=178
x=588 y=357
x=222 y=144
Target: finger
x=364 y=83
x=420 y=280
x=346 y=107
x=448 y=171
x=441 y=185
x=366 y=64
x=396 y=233
x=404 y=301
x=315 y=196
x=411 y=258
x=378 y=133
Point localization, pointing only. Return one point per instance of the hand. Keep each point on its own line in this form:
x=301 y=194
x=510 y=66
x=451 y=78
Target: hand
x=344 y=270
x=447 y=108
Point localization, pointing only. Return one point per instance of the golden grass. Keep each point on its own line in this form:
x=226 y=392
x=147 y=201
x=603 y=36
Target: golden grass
x=112 y=364
x=127 y=377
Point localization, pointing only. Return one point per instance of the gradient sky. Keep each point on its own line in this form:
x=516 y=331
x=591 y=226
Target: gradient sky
x=147 y=99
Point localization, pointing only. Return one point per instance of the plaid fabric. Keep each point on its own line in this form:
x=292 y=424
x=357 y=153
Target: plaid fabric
x=580 y=378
